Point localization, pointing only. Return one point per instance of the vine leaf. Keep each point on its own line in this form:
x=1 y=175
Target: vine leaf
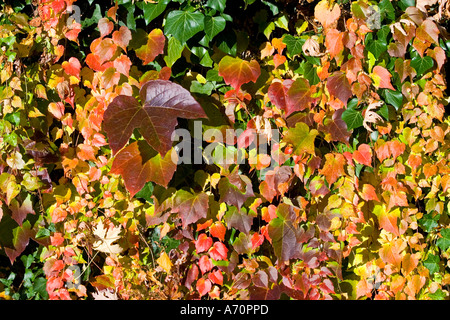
x=138 y=164
x=183 y=25
x=301 y=138
x=236 y=71
x=363 y=155
x=325 y=14
x=284 y=237
x=334 y=167
x=163 y=101
x=106 y=237
x=339 y=86
x=382 y=78
x=154 y=46
x=190 y=206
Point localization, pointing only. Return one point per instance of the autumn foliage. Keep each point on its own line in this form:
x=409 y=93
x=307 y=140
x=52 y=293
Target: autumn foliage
x=350 y=202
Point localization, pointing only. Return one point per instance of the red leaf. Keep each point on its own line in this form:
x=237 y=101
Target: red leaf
x=192 y=275
x=137 y=164
x=298 y=96
x=105 y=26
x=218 y=230
x=257 y=240
x=122 y=37
x=216 y=277
x=205 y=264
x=277 y=93
x=363 y=155
x=236 y=71
x=339 y=86
x=163 y=101
x=203 y=286
x=72 y=67
x=219 y=251
x=154 y=46
x=203 y=243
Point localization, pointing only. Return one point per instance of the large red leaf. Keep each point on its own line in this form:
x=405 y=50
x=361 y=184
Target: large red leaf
x=236 y=72
x=163 y=101
x=138 y=164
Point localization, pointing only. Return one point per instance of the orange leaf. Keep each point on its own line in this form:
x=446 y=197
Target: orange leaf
x=236 y=71
x=122 y=64
x=267 y=51
x=325 y=14
x=369 y=193
x=334 y=167
x=203 y=243
x=122 y=37
x=72 y=67
x=203 y=286
x=334 y=42
x=218 y=230
x=278 y=60
x=391 y=252
x=103 y=49
x=382 y=78
x=363 y=155
x=409 y=263
x=154 y=46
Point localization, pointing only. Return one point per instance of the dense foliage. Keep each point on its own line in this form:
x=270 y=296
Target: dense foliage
x=349 y=202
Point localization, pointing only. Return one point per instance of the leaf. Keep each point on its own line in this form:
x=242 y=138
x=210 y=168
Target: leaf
x=239 y=220
x=376 y=47
x=216 y=277
x=138 y=164
x=421 y=64
x=20 y=240
x=387 y=219
x=338 y=86
x=122 y=37
x=154 y=46
x=326 y=14
x=183 y=25
x=429 y=221
x=203 y=286
x=20 y=213
x=218 y=230
x=353 y=118
x=394 y=98
x=205 y=264
x=336 y=128
x=219 y=251
x=103 y=49
x=294 y=44
x=233 y=194
x=334 y=42
x=391 y=252
x=381 y=78
x=301 y=138
x=174 y=51
x=163 y=101
x=369 y=193
x=164 y=262
x=236 y=71
x=428 y=31
x=284 y=240
x=191 y=207
x=334 y=167
x=203 y=243
x=72 y=67
x=152 y=10
x=105 y=237
x=105 y=27
x=444 y=242
x=432 y=263
x=298 y=96
x=214 y=25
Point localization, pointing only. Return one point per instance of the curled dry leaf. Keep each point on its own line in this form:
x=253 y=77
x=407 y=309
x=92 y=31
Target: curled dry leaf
x=312 y=48
x=370 y=116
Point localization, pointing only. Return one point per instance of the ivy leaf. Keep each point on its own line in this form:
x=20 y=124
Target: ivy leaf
x=152 y=10
x=339 y=87
x=444 y=242
x=363 y=155
x=21 y=237
x=394 y=98
x=183 y=25
x=336 y=128
x=154 y=46
x=298 y=96
x=163 y=101
x=138 y=164
x=387 y=219
x=432 y=263
x=214 y=25
x=301 y=138
x=429 y=221
x=376 y=47
x=353 y=118
x=294 y=44
x=236 y=71
x=421 y=64
x=334 y=42
x=233 y=193
x=174 y=51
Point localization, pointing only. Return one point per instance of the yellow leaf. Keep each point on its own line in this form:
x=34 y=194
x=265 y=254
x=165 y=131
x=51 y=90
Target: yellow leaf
x=164 y=262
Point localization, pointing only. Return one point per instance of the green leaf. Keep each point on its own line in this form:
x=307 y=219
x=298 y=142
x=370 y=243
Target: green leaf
x=174 y=51
x=421 y=64
x=301 y=138
x=293 y=44
x=218 y=5
x=429 y=222
x=394 y=98
x=227 y=43
x=40 y=286
x=353 y=118
x=214 y=25
x=376 y=47
x=146 y=192
x=432 y=263
x=96 y=15
x=444 y=242
x=387 y=9
x=183 y=25
x=152 y=10
x=197 y=87
x=437 y=295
